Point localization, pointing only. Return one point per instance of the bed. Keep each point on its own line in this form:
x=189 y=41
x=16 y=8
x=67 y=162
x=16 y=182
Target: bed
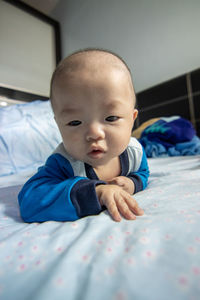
x=157 y=256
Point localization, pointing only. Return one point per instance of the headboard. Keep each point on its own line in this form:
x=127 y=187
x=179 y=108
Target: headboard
x=29 y=51
x=178 y=96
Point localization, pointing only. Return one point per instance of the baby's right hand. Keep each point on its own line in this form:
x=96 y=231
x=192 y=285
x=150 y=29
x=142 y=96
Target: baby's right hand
x=118 y=202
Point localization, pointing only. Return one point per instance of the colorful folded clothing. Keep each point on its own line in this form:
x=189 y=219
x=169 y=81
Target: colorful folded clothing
x=170 y=136
x=187 y=148
x=154 y=149
x=170 y=131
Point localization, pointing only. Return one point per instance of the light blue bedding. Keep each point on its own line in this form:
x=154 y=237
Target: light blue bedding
x=28 y=135
x=155 y=257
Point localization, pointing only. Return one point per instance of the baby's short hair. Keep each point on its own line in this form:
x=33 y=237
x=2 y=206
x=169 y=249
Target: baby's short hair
x=67 y=64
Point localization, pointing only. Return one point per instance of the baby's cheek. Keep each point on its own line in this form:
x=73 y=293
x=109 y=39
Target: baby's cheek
x=71 y=142
x=72 y=138
x=121 y=140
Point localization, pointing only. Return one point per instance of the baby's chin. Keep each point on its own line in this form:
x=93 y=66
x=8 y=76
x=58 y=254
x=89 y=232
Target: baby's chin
x=97 y=162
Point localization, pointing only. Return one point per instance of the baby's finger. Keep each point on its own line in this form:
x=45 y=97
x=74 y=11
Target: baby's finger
x=113 y=181
x=116 y=180
x=124 y=209
x=112 y=208
x=133 y=205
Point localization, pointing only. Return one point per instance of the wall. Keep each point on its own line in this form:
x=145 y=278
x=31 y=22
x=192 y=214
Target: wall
x=159 y=39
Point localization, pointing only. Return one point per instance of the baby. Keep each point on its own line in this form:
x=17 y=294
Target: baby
x=98 y=165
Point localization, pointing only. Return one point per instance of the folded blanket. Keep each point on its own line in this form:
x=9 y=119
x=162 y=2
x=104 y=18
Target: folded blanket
x=154 y=149
x=170 y=137
x=170 y=131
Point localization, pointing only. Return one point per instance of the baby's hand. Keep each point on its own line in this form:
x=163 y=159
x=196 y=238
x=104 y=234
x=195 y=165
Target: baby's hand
x=124 y=182
x=118 y=201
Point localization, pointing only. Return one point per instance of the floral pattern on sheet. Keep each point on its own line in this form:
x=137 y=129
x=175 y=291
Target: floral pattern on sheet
x=155 y=257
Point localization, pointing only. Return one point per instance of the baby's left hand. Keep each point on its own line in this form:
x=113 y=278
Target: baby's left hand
x=124 y=182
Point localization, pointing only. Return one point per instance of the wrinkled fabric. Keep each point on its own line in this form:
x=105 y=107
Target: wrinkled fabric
x=188 y=148
x=171 y=136
x=28 y=135
x=169 y=131
x=155 y=257
x=154 y=149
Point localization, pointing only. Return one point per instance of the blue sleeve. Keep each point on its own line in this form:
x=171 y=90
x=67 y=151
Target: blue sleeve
x=54 y=194
x=140 y=177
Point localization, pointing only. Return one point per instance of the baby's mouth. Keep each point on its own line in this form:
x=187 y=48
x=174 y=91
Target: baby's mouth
x=96 y=153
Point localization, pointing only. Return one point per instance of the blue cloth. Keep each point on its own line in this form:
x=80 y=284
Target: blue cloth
x=188 y=148
x=154 y=149
x=170 y=137
x=169 y=131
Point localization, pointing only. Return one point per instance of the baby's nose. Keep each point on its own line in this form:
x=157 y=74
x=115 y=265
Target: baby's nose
x=95 y=132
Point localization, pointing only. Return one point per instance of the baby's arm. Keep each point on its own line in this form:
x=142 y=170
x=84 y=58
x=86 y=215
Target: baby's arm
x=135 y=181
x=118 y=199
x=54 y=194
x=118 y=202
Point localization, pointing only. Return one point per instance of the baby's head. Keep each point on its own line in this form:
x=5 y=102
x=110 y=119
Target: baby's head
x=93 y=100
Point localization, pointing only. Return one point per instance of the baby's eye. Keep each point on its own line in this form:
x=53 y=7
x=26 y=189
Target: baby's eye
x=74 y=123
x=112 y=118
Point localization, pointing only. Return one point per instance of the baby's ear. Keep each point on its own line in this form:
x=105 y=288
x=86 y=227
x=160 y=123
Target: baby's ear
x=135 y=114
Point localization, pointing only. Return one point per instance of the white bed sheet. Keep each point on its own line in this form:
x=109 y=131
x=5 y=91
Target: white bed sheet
x=155 y=257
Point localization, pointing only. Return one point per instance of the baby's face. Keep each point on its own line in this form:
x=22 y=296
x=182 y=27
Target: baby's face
x=95 y=114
